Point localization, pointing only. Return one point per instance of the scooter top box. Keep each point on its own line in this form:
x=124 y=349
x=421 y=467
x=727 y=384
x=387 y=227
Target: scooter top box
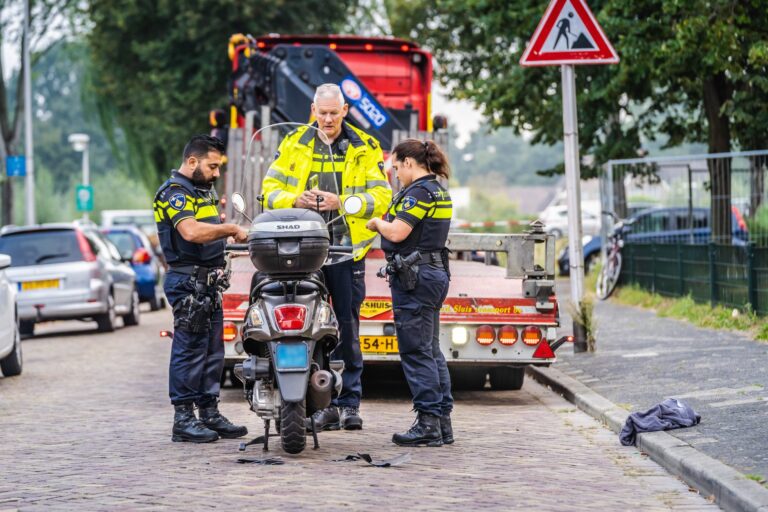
x=288 y=240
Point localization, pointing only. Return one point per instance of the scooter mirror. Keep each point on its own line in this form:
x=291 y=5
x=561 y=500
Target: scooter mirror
x=238 y=202
x=353 y=205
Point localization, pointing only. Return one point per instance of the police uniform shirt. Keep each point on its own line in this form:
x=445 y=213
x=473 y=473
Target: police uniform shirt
x=328 y=174
x=179 y=199
x=425 y=206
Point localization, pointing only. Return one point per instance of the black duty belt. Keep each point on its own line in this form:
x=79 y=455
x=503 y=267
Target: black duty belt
x=435 y=257
x=198 y=271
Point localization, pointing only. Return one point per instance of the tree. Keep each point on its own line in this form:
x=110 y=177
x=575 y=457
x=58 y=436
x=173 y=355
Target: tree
x=159 y=67
x=45 y=16
x=687 y=71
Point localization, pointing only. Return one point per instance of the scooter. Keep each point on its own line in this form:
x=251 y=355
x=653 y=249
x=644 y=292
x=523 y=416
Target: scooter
x=289 y=329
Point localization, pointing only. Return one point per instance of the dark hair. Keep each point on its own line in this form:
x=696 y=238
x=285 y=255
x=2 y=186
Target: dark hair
x=425 y=153
x=199 y=146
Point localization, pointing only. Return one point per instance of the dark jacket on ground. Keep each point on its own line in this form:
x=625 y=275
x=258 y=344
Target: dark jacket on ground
x=669 y=414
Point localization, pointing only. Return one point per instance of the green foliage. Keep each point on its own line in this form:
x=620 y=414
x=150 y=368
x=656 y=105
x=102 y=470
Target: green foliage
x=159 y=67
x=692 y=70
x=502 y=157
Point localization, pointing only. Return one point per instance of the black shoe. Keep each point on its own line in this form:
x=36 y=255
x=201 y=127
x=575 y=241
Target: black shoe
x=186 y=427
x=213 y=419
x=425 y=431
x=325 y=419
x=350 y=418
x=446 y=429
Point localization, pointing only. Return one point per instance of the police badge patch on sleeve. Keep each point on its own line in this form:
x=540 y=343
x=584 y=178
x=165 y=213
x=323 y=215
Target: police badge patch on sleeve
x=177 y=201
x=409 y=202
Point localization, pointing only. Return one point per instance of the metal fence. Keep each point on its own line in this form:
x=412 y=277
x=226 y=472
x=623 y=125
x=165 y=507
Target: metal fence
x=730 y=275
x=691 y=199
x=694 y=224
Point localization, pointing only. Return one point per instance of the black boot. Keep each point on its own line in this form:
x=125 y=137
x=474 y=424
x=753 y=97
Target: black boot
x=213 y=419
x=350 y=419
x=446 y=429
x=424 y=431
x=186 y=427
x=325 y=419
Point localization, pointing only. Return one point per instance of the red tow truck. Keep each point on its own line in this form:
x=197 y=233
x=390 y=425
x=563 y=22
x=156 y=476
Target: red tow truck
x=496 y=319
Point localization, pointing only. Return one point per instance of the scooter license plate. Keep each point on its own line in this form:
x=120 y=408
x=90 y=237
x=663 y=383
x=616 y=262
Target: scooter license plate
x=291 y=356
x=378 y=344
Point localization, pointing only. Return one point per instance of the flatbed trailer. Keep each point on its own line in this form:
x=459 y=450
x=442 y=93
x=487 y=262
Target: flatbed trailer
x=494 y=322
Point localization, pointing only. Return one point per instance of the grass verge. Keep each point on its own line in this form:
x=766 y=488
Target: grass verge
x=702 y=315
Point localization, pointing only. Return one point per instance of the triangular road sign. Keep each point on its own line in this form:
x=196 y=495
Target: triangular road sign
x=568 y=34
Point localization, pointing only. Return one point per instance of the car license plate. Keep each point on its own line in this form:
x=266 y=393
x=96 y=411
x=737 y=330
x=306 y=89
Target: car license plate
x=379 y=344
x=39 y=285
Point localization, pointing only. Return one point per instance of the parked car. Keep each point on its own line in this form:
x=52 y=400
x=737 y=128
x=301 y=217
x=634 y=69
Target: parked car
x=142 y=219
x=134 y=247
x=661 y=225
x=555 y=218
x=68 y=271
x=10 y=340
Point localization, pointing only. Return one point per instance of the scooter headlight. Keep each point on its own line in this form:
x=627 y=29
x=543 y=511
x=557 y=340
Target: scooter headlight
x=254 y=317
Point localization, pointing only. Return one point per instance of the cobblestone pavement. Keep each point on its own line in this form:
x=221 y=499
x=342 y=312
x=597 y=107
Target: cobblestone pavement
x=87 y=427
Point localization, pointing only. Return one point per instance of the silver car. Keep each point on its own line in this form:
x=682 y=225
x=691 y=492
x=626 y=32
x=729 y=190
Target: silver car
x=68 y=271
x=10 y=341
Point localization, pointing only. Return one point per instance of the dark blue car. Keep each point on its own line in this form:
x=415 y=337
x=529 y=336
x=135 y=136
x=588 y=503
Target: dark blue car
x=135 y=247
x=661 y=225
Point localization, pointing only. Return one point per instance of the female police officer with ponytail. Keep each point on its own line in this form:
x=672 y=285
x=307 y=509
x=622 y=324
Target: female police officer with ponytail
x=414 y=233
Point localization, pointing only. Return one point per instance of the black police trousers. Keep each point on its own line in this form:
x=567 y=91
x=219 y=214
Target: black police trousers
x=346 y=284
x=197 y=359
x=417 y=322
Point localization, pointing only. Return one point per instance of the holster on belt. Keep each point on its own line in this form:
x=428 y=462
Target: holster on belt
x=193 y=313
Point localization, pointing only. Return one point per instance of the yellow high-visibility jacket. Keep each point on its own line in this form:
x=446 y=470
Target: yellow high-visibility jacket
x=362 y=175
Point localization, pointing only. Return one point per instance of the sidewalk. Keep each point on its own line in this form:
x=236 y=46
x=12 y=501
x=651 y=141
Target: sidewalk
x=642 y=359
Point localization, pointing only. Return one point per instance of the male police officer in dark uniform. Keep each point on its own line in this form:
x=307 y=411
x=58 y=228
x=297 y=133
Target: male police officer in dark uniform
x=193 y=239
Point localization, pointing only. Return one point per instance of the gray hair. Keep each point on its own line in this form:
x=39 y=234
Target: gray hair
x=329 y=91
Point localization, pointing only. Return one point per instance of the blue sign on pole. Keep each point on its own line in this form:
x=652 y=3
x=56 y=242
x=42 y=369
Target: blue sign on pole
x=16 y=165
x=84 y=198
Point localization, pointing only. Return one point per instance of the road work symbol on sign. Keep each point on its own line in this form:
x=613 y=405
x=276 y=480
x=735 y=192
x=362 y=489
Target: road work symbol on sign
x=568 y=34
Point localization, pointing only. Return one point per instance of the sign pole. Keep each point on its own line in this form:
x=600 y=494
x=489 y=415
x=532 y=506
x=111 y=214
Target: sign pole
x=572 y=182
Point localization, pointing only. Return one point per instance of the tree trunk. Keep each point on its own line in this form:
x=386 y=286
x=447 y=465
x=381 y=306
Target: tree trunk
x=619 y=193
x=716 y=92
x=757 y=170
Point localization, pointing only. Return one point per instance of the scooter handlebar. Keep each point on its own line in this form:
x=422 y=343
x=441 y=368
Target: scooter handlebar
x=340 y=248
x=236 y=247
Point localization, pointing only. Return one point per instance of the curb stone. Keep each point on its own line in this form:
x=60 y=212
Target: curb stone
x=731 y=490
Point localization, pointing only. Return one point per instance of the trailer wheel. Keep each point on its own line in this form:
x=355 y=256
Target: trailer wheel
x=468 y=378
x=507 y=378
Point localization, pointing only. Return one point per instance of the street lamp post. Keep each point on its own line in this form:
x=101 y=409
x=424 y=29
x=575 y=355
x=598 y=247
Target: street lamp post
x=79 y=143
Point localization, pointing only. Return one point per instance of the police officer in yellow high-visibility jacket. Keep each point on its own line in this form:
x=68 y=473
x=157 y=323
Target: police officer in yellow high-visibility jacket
x=304 y=169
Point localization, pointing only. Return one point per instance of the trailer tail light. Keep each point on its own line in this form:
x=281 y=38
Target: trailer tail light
x=485 y=335
x=332 y=46
x=230 y=331
x=531 y=335
x=404 y=48
x=368 y=47
x=291 y=317
x=261 y=44
x=508 y=335
x=544 y=351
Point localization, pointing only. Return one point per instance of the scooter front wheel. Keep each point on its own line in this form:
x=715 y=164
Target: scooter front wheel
x=293 y=429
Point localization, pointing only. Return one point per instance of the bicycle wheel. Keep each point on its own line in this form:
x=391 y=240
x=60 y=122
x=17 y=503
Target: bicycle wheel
x=609 y=276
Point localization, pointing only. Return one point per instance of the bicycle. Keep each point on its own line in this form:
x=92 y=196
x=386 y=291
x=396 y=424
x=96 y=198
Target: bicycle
x=611 y=270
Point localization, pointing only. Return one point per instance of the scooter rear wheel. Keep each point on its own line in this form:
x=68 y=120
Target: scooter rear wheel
x=293 y=430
